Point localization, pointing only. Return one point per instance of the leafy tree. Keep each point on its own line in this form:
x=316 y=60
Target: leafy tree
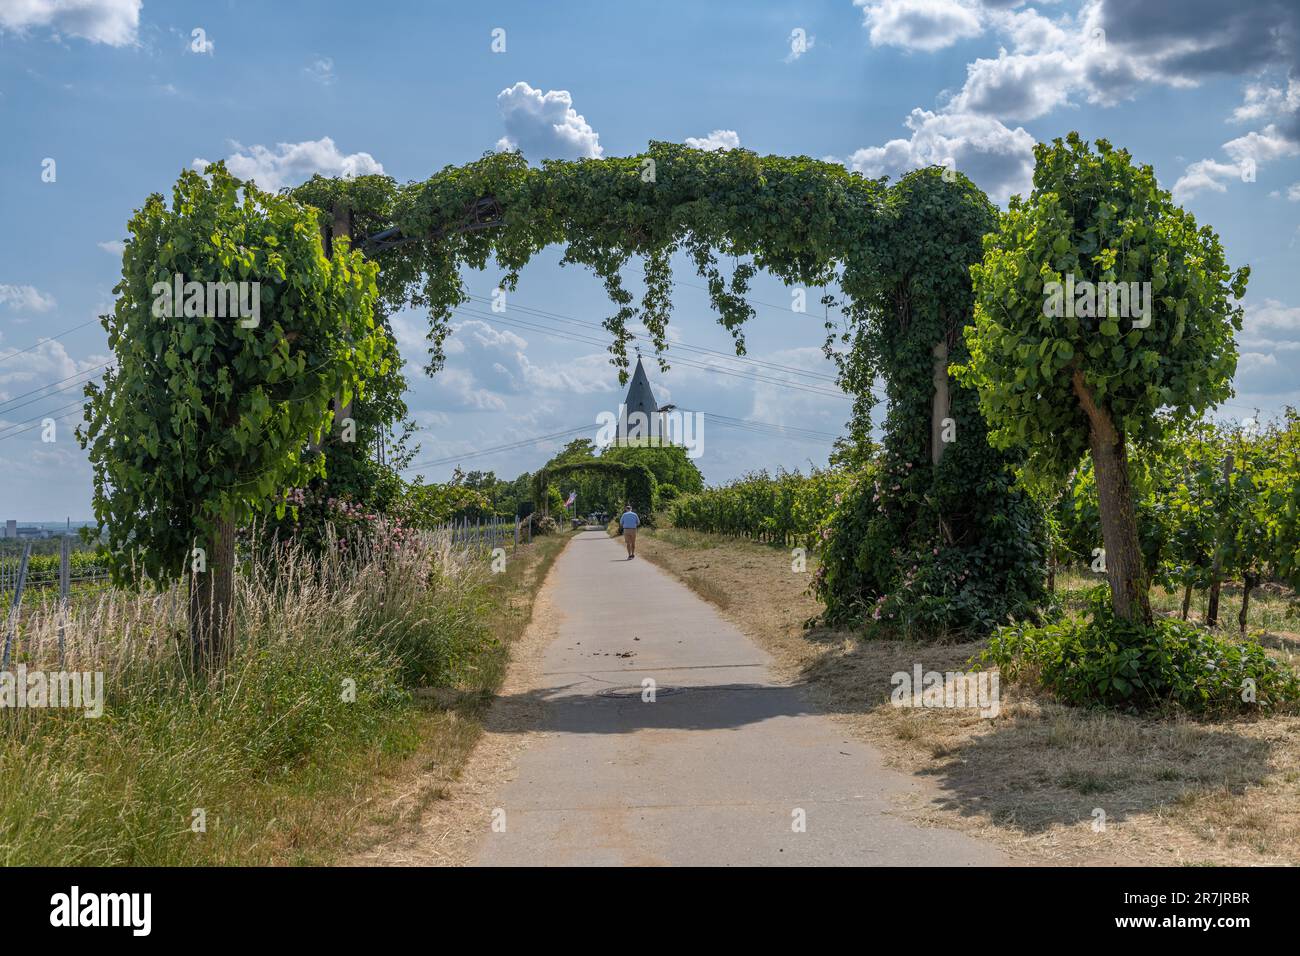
x=1090 y=380
x=594 y=490
x=205 y=421
x=669 y=463
x=639 y=485
x=427 y=506
x=939 y=540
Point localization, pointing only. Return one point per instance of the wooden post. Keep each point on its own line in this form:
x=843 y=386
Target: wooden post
x=1248 y=582
x=65 y=587
x=342 y=229
x=212 y=602
x=1212 y=605
x=326 y=246
x=942 y=402
x=15 y=609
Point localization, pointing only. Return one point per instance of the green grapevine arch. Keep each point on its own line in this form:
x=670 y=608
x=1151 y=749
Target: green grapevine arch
x=939 y=537
x=638 y=481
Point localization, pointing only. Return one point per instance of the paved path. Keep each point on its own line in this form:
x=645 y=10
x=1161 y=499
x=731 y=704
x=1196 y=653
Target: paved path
x=711 y=772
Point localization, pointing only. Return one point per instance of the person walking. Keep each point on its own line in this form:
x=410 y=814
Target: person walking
x=629 y=522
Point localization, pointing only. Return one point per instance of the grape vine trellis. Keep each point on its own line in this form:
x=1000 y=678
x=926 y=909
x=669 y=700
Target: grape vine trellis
x=938 y=531
x=940 y=536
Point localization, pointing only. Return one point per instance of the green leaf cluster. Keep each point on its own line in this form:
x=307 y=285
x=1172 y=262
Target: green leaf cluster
x=204 y=419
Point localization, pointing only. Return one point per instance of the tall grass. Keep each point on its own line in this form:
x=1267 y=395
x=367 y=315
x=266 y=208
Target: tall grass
x=326 y=651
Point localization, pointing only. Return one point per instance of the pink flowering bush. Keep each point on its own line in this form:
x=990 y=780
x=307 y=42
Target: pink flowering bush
x=319 y=521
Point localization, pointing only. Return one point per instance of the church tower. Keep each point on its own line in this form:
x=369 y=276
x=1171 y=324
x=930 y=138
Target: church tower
x=638 y=418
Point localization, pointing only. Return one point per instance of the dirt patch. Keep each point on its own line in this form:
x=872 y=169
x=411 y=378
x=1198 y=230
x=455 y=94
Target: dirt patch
x=1048 y=783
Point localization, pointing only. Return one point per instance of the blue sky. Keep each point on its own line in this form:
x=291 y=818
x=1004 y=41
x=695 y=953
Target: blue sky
x=122 y=95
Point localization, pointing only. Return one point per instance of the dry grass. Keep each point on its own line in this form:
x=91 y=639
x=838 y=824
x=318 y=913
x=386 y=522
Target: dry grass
x=1031 y=780
x=286 y=769
x=427 y=809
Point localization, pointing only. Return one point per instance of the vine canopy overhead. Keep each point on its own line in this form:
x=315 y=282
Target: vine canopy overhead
x=806 y=221
x=899 y=254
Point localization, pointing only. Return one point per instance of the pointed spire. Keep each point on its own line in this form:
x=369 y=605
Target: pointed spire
x=639 y=399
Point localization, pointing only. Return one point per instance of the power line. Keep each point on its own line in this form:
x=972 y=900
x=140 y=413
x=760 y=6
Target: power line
x=38 y=424
x=561 y=317
x=760 y=427
x=689 y=363
x=751 y=302
x=509 y=446
x=792 y=429
x=9 y=432
x=9 y=402
x=49 y=339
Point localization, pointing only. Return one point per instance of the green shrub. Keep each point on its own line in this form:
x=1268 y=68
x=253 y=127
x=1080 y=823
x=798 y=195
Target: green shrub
x=1103 y=660
x=870 y=577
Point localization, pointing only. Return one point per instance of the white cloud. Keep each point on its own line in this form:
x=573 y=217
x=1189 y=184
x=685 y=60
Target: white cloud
x=1262 y=102
x=718 y=139
x=545 y=125
x=1263 y=146
x=459 y=389
x=291 y=163
x=431 y=418
x=1249 y=152
x=1293 y=192
x=788 y=406
x=410 y=329
x=112 y=22
x=1205 y=174
x=1269 y=347
x=926 y=25
x=1018 y=86
x=1105 y=52
x=321 y=70
x=1030 y=31
x=113 y=246
x=998 y=159
x=25 y=298
x=1270 y=321
x=581 y=375
x=48 y=363
x=487 y=336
